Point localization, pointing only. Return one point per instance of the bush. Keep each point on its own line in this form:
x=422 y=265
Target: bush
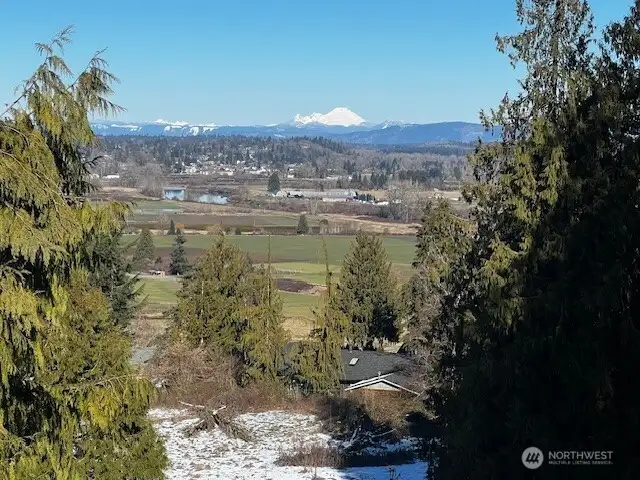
x=200 y=376
x=369 y=411
x=316 y=456
x=238 y=231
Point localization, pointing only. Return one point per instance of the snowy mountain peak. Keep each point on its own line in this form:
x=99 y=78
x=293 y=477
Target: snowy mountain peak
x=392 y=123
x=177 y=124
x=340 y=116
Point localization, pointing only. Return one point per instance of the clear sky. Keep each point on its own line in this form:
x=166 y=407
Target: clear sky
x=243 y=62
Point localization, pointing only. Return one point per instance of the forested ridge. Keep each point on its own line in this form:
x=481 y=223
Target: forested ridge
x=311 y=157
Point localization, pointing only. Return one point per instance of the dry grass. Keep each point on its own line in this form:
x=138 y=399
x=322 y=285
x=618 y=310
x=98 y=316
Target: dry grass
x=370 y=411
x=147 y=328
x=316 y=456
x=387 y=408
x=199 y=376
x=298 y=327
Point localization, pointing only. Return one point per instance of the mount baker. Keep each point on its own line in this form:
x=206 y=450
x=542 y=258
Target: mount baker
x=338 y=124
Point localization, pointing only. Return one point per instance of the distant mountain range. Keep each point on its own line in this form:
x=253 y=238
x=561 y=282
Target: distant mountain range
x=339 y=124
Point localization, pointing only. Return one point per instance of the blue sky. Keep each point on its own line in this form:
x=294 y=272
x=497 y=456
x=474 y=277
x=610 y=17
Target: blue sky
x=245 y=62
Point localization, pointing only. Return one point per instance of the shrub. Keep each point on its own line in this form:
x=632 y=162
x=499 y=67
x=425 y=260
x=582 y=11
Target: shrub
x=316 y=456
x=200 y=376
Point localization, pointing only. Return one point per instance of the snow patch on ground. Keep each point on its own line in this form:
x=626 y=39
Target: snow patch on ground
x=214 y=455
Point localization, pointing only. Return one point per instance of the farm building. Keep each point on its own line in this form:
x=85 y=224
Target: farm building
x=326 y=195
x=173 y=193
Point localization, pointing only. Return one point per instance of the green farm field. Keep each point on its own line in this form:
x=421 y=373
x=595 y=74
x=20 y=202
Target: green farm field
x=297 y=258
x=292 y=248
x=297 y=308
x=159 y=291
x=201 y=221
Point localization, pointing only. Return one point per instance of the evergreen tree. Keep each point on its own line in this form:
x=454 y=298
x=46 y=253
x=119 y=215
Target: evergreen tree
x=109 y=272
x=443 y=241
x=172 y=228
x=263 y=337
x=274 y=183
x=115 y=438
x=145 y=250
x=303 y=226
x=366 y=292
x=228 y=306
x=70 y=405
x=210 y=301
x=317 y=362
x=179 y=264
x=541 y=315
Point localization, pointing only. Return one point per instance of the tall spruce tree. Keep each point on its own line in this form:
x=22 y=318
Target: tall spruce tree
x=109 y=271
x=443 y=240
x=263 y=337
x=274 y=183
x=179 y=265
x=303 y=226
x=543 y=350
x=70 y=405
x=172 y=228
x=367 y=293
x=317 y=362
x=145 y=251
x=228 y=306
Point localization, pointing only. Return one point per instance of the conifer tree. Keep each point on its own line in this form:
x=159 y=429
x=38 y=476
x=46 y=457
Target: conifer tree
x=179 y=264
x=210 y=301
x=542 y=352
x=172 y=228
x=70 y=406
x=227 y=306
x=443 y=240
x=109 y=271
x=274 y=183
x=145 y=250
x=116 y=440
x=303 y=226
x=263 y=337
x=317 y=362
x=367 y=292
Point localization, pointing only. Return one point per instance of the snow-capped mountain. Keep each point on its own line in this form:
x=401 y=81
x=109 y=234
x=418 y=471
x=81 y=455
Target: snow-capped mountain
x=391 y=123
x=338 y=124
x=338 y=117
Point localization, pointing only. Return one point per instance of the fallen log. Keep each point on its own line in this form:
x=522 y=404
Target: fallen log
x=209 y=419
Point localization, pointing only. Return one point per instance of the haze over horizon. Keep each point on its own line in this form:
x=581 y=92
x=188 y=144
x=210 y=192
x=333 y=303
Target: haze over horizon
x=253 y=63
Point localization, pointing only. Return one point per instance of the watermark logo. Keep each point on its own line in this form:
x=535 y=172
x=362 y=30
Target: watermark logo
x=532 y=458
x=581 y=457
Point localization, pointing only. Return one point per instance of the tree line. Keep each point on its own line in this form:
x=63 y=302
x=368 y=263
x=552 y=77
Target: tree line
x=139 y=160
x=233 y=307
x=527 y=324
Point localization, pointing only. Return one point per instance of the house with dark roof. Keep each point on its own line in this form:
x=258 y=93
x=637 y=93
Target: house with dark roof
x=372 y=370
